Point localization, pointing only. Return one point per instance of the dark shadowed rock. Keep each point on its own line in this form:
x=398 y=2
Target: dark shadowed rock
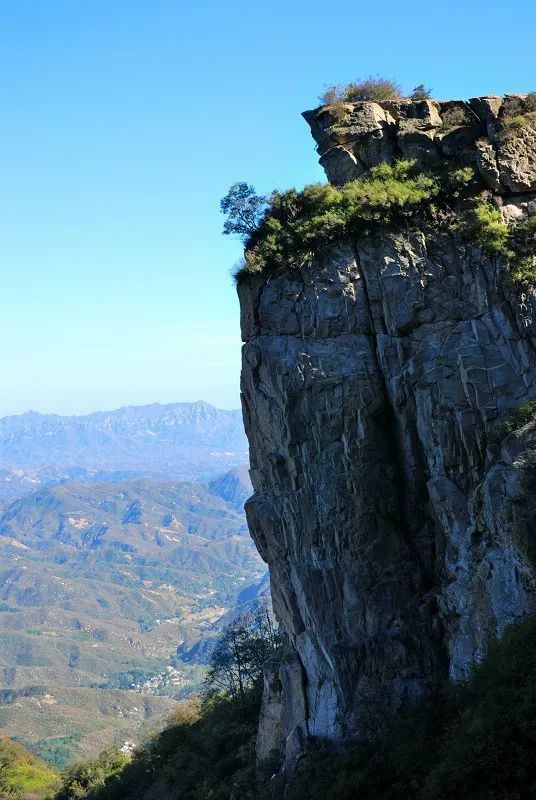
x=399 y=532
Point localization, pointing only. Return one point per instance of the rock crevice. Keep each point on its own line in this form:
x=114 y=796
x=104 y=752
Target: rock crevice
x=390 y=508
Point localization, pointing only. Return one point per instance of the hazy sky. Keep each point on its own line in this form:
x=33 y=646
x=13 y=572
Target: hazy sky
x=123 y=124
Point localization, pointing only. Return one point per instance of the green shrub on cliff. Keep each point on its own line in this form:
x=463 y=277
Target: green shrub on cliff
x=516 y=243
x=296 y=224
x=518 y=115
x=489 y=231
x=523 y=242
x=455 y=117
x=530 y=102
x=420 y=93
x=377 y=89
x=243 y=209
x=520 y=417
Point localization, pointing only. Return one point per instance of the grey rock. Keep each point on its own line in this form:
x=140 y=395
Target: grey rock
x=270 y=734
x=350 y=145
x=354 y=137
x=416 y=142
x=517 y=160
x=398 y=530
x=341 y=165
x=486 y=161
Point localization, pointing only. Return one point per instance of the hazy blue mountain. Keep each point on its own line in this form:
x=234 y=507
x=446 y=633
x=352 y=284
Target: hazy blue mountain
x=177 y=441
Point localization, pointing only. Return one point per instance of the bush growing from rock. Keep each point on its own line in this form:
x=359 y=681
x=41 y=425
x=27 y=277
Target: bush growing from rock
x=489 y=230
x=518 y=115
x=516 y=244
x=375 y=89
x=420 y=93
x=243 y=208
x=455 y=117
x=520 y=417
x=296 y=224
x=530 y=102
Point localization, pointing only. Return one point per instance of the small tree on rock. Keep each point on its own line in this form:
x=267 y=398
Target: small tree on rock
x=244 y=210
x=243 y=648
x=420 y=93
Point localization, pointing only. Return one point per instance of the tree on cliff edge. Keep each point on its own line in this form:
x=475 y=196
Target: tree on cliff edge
x=244 y=209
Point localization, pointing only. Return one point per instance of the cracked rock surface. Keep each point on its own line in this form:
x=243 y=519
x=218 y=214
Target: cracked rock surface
x=395 y=515
x=477 y=132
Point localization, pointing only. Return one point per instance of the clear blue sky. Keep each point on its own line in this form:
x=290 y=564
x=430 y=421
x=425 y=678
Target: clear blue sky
x=124 y=122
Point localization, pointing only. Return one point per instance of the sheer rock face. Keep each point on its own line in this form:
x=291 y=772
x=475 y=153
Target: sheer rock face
x=353 y=137
x=398 y=528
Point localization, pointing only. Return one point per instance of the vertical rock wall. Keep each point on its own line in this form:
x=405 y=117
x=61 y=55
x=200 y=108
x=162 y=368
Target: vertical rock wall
x=395 y=520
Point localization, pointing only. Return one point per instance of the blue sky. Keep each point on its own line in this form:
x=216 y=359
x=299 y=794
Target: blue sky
x=123 y=124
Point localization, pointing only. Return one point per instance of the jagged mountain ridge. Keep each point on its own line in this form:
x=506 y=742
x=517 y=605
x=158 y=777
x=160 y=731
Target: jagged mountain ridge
x=180 y=441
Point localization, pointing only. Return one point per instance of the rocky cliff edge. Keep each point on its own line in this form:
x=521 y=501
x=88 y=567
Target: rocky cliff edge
x=393 y=494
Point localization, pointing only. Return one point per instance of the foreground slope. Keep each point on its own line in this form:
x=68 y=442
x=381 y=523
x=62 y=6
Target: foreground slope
x=22 y=775
x=475 y=741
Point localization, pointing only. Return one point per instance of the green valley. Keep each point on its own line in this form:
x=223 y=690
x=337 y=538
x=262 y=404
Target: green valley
x=100 y=586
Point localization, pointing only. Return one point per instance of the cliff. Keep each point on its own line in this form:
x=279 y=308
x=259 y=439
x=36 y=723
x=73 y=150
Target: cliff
x=380 y=380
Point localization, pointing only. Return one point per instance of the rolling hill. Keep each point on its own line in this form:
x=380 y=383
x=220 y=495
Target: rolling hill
x=116 y=573
x=100 y=586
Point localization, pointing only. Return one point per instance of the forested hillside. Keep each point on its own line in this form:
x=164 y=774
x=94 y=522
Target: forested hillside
x=22 y=775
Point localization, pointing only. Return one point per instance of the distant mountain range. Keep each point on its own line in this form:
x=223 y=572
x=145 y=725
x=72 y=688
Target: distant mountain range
x=123 y=550
x=177 y=441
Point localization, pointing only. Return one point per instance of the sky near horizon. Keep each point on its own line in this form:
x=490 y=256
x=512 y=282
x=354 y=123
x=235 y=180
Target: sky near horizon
x=124 y=123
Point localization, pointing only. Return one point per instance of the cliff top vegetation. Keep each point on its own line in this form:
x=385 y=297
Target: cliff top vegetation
x=288 y=228
x=374 y=88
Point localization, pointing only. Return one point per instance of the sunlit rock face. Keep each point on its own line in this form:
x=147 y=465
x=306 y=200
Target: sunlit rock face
x=354 y=137
x=397 y=519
